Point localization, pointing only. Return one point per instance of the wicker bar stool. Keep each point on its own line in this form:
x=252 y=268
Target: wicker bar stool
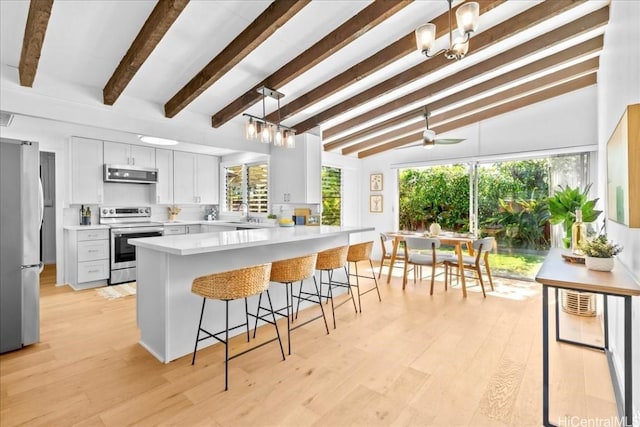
x=287 y=272
x=361 y=252
x=227 y=286
x=328 y=261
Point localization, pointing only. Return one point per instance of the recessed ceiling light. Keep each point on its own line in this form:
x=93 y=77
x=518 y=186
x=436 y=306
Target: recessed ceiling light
x=157 y=141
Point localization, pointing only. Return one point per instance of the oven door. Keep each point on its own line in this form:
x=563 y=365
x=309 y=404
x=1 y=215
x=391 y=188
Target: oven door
x=123 y=254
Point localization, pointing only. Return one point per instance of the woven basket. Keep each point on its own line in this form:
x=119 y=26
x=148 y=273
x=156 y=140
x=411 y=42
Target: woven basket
x=233 y=284
x=332 y=258
x=294 y=269
x=578 y=303
x=359 y=252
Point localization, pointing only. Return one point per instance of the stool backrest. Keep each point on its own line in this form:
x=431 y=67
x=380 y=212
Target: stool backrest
x=293 y=269
x=234 y=284
x=359 y=252
x=332 y=258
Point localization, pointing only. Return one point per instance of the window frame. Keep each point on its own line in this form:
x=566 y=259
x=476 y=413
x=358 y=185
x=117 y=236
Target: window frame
x=244 y=187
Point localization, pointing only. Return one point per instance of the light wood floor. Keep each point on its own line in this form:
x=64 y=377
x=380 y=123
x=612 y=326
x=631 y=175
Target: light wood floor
x=411 y=360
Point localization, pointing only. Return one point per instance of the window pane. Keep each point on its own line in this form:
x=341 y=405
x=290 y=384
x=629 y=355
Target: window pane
x=258 y=188
x=233 y=187
x=331 y=196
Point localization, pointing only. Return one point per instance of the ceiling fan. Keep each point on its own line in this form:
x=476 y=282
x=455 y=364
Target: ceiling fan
x=429 y=136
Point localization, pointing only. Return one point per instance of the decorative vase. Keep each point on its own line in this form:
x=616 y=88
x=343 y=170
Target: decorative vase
x=435 y=229
x=598 y=264
x=173 y=217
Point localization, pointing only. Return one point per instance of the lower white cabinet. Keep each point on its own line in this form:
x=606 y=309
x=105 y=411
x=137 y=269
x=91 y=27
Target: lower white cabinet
x=87 y=257
x=174 y=229
x=207 y=228
x=182 y=229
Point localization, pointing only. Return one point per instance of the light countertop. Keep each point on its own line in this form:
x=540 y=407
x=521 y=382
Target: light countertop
x=189 y=244
x=85 y=227
x=221 y=222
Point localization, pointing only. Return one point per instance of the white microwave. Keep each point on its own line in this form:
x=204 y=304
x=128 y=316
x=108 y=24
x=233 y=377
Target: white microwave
x=128 y=173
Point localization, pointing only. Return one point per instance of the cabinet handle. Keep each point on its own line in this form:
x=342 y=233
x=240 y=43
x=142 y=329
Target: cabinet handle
x=93 y=250
x=133 y=160
x=93 y=271
x=157 y=199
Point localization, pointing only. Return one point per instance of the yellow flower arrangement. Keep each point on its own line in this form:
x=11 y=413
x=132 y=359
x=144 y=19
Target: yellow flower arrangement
x=173 y=212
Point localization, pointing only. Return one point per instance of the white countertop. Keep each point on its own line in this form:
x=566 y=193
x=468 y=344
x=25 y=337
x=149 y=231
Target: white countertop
x=221 y=222
x=189 y=244
x=85 y=227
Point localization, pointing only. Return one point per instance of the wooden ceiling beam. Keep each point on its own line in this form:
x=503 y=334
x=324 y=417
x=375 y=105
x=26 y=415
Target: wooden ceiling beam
x=353 y=28
x=572 y=72
x=580 y=50
x=34 y=32
x=164 y=14
x=379 y=60
x=274 y=17
x=491 y=36
x=543 y=95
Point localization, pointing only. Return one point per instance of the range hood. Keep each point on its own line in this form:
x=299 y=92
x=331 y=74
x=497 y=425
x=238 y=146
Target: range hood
x=131 y=174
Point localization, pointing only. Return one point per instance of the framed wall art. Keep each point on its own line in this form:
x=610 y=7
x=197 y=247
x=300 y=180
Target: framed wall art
x=375 y=203
x=375 y=182
x=623 y=176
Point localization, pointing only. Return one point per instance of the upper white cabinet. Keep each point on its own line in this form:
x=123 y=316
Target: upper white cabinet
x=296 y=173
x=164 y=186
x=117 y=153
x=86 y=171
x=195 y=178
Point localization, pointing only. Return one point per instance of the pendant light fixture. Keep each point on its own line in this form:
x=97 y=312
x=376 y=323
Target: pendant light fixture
x=467 y=17
x=268 y=132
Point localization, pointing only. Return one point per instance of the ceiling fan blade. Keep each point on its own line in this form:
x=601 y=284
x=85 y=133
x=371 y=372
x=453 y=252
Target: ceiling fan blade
x=445 y=141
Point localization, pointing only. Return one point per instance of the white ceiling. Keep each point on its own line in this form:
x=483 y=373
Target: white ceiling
x=86 y=40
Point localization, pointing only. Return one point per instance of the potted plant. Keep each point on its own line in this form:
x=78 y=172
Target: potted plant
x=599 y=253
x=563 y=205
x=272 y=218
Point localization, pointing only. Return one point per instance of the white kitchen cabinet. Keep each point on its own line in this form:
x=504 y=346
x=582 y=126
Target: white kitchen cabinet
x=116 y=153
x=208 y=228
x=164 y=186
x=170 y=230
x=87 y=257
x=295 y=174
x=86 y=171
x=193 y=229
x=195 y=178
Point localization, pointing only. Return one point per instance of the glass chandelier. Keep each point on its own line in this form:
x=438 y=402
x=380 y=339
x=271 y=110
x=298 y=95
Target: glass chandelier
x=259 y=128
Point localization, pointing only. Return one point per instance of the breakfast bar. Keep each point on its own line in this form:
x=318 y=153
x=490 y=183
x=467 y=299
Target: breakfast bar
x=167 y=311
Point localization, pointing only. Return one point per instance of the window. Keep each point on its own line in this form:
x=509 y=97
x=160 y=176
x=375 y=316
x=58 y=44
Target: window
x=247 y=184
x=331 y=196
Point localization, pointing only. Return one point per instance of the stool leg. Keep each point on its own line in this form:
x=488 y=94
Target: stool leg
x=275 y=324
x=320 y=304
x=246 y=315
x=375 y=280
x=286 y=287
x=193 y=359
x=330 y=295
x=357 y=287
x=349 y=289
x=255 y=327
x=226 y=346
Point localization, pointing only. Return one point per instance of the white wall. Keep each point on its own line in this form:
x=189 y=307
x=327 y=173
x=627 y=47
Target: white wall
x=564 y=123
x=619 y=86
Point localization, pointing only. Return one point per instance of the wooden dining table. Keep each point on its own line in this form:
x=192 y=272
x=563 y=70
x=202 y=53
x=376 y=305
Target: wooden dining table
x=445 y=239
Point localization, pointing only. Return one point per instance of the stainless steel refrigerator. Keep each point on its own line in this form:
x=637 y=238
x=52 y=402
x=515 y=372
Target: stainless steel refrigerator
x=20 y=221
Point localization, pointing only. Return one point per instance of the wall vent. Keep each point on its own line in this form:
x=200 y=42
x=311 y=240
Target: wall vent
x=5 y=119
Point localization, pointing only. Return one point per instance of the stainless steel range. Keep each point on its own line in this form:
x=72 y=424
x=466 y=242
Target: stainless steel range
x=127 y=223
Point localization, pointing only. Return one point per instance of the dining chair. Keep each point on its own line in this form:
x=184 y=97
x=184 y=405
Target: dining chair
x=420 y=251
x=481 y=248
x=386 y=243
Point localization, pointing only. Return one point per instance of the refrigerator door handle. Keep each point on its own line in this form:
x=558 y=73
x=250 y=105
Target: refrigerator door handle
x=38 y=265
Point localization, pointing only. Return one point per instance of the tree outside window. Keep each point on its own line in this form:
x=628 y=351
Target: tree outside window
x=331 y=196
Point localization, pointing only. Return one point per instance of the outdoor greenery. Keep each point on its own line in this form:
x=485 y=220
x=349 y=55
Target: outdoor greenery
x=511 y=199
x=331 y=195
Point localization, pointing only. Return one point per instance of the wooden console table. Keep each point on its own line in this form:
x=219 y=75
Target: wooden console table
x=560 y=274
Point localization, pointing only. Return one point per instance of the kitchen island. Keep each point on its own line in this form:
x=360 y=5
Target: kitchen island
x=167 y=311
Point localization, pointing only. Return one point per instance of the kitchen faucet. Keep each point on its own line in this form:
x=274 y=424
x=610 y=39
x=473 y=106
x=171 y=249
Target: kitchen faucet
x=244 y=209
